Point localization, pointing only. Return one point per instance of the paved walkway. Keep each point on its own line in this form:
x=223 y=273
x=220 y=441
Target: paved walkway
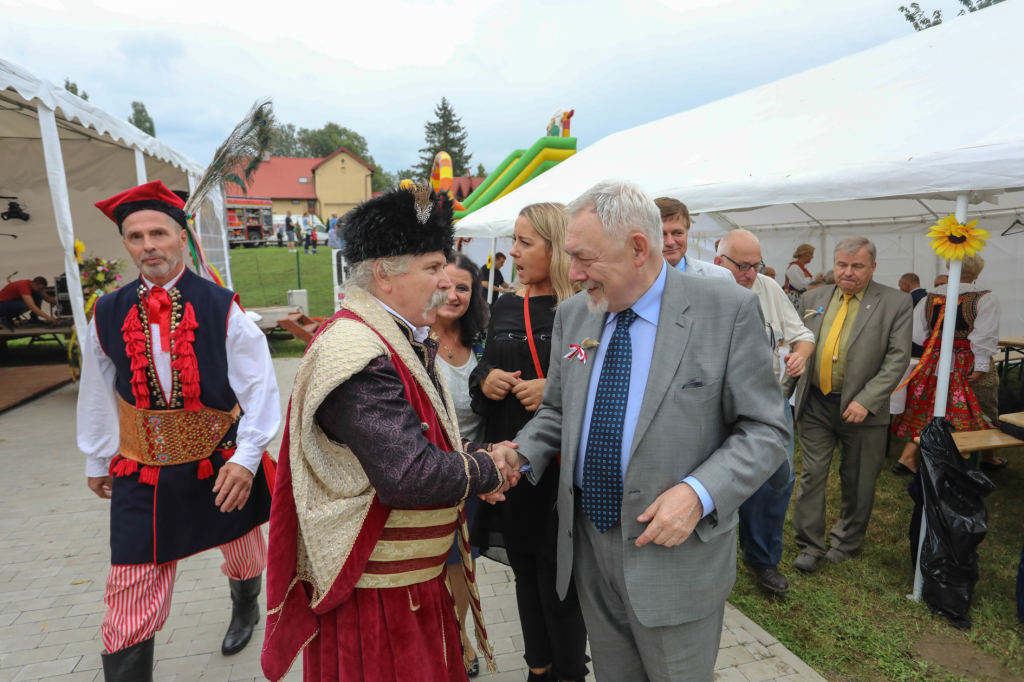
x=54 y=557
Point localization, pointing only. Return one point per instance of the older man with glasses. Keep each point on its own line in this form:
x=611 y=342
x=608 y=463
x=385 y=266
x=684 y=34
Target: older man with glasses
x=762 y=516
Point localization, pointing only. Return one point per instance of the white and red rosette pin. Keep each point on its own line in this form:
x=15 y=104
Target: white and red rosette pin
x=580 y=350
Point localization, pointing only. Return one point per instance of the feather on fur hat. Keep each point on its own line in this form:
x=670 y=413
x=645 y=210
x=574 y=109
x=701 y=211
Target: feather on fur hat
x=400 y=222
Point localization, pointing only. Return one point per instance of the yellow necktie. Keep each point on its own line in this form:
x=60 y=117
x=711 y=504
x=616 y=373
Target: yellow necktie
x=830 y=353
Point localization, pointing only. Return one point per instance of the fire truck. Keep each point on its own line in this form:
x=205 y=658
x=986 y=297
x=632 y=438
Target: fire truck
x=250 y=221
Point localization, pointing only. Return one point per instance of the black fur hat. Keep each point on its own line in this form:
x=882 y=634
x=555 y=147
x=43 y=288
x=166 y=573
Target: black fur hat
x=400 y=222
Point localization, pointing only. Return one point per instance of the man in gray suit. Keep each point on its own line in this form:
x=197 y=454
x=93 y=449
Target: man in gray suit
x=862 y=332
x=663 y=404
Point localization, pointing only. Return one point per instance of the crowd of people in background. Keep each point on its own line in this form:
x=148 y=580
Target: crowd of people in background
x=854 y=337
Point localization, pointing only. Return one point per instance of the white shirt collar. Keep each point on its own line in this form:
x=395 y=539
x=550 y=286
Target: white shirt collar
x=419 y=334
x=169 y=285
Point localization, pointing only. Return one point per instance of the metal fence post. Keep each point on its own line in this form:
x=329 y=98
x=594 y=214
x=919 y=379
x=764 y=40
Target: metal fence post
x=298 y=269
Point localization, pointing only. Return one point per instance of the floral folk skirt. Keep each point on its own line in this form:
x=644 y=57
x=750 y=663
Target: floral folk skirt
x=962 y=408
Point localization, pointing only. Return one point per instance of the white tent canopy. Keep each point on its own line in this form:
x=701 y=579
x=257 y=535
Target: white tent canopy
x=876 y=144
x=58 y=156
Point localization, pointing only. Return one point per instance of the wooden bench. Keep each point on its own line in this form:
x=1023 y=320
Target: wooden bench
x=976 y=441
x=300 y=326
x=1015 y=418
x=1015 y=356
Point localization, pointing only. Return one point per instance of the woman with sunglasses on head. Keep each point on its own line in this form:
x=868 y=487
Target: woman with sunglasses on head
x=459 y=330
x=507 y=387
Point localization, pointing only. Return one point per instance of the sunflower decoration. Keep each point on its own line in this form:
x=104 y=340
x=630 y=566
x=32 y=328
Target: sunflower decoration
x=79 y=250
x=952 y=240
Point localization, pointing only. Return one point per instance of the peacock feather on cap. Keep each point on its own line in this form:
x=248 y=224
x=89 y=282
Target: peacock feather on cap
x=235 y=161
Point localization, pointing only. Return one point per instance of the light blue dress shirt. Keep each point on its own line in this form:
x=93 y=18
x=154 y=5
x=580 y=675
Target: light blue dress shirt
x=681 y=265
x=642 y=334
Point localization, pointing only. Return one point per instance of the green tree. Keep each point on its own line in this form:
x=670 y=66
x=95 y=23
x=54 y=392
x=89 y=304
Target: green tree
x=916 y=16
x=481 y=172
x=285 y=142
x=73 y=89
x=141 y=119
x=444 y=135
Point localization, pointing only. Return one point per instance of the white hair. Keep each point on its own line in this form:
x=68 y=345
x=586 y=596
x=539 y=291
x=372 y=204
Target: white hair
x=851 y=245
x=361 y=275
x=622 y=207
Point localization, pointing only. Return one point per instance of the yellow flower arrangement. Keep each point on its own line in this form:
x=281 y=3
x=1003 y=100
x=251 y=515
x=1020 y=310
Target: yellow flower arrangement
x=79 y=250
x=952 y=240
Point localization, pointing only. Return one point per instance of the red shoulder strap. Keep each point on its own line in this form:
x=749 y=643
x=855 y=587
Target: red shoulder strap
x=529 y=335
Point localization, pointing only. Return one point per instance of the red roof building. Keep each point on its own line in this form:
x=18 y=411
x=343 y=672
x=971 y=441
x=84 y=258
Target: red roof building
x=333 y=184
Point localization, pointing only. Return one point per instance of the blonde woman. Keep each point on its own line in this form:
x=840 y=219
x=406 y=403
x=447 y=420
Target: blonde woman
x=507 y=387
x=797 y=274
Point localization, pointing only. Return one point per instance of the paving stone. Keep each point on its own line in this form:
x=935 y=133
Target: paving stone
x=37 y=671
x=54 y=561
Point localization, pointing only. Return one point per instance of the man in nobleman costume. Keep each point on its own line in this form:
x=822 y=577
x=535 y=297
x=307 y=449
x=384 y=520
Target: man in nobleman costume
x=177 y=402
x=373 y=472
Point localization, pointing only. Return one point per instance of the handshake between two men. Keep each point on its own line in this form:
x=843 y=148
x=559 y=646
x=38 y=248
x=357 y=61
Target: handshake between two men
x=508 y=462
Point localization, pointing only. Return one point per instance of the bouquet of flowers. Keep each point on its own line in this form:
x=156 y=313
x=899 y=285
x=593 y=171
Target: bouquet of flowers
x=100 y=275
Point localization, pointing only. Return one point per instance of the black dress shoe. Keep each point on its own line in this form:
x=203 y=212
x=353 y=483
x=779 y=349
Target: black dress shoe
x=1000 y=463
x=245 y=613
x=901 y=469
x=134 y=664
x=770 y=578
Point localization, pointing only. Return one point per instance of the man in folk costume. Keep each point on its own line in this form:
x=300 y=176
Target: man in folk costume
x=177 y=402
x=373 y=472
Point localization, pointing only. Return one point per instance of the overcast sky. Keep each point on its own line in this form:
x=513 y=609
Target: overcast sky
x=381 y=66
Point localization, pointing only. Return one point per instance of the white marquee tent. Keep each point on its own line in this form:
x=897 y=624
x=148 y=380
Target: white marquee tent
x=60 y=154
x=876 y=144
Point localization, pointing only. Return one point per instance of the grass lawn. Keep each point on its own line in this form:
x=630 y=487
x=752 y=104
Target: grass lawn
x=262 y=277
x=854 y=622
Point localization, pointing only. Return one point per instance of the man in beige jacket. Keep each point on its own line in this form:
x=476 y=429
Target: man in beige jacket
x=862 y=331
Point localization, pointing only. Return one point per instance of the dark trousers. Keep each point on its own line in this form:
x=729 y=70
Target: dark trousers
x=553 y=630
x=17 y=307
x=764 y=513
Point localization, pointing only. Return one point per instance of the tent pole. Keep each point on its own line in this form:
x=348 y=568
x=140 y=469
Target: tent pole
x=490 y=271
x=942 y=372
x=140 y=167
x=62 y=213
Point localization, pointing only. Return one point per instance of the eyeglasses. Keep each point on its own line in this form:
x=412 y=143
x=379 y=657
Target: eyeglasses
x=745 y=267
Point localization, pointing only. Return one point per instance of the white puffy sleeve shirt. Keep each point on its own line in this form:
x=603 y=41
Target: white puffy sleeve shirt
x=250 y=375
x=797 y=279
x=984 y=337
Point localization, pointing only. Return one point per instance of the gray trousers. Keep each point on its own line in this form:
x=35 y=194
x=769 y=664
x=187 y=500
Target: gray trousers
x=622 y=648
x=864 y=447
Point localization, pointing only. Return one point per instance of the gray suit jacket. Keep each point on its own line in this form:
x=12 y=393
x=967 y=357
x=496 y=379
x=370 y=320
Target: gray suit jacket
x=877 y=354
x=730 y=434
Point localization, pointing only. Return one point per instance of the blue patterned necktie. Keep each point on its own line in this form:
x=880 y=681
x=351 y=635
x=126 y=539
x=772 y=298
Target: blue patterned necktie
x=602 y=466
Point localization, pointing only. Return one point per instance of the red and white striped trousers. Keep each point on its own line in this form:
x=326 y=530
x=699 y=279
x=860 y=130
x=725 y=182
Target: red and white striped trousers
x=138 y=598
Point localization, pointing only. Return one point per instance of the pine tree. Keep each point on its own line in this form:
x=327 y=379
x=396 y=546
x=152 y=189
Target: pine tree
x=444 y=135
x=141 y=119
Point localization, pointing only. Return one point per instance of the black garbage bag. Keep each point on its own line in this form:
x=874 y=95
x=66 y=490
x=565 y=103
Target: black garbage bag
x=957 y=523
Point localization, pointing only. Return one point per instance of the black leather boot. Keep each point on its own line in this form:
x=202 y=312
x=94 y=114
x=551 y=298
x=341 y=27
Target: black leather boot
x=134 y=664
x=245 y=613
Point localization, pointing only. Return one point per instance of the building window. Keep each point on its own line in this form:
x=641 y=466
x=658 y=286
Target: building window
x=295 y=201
x=303 y=181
